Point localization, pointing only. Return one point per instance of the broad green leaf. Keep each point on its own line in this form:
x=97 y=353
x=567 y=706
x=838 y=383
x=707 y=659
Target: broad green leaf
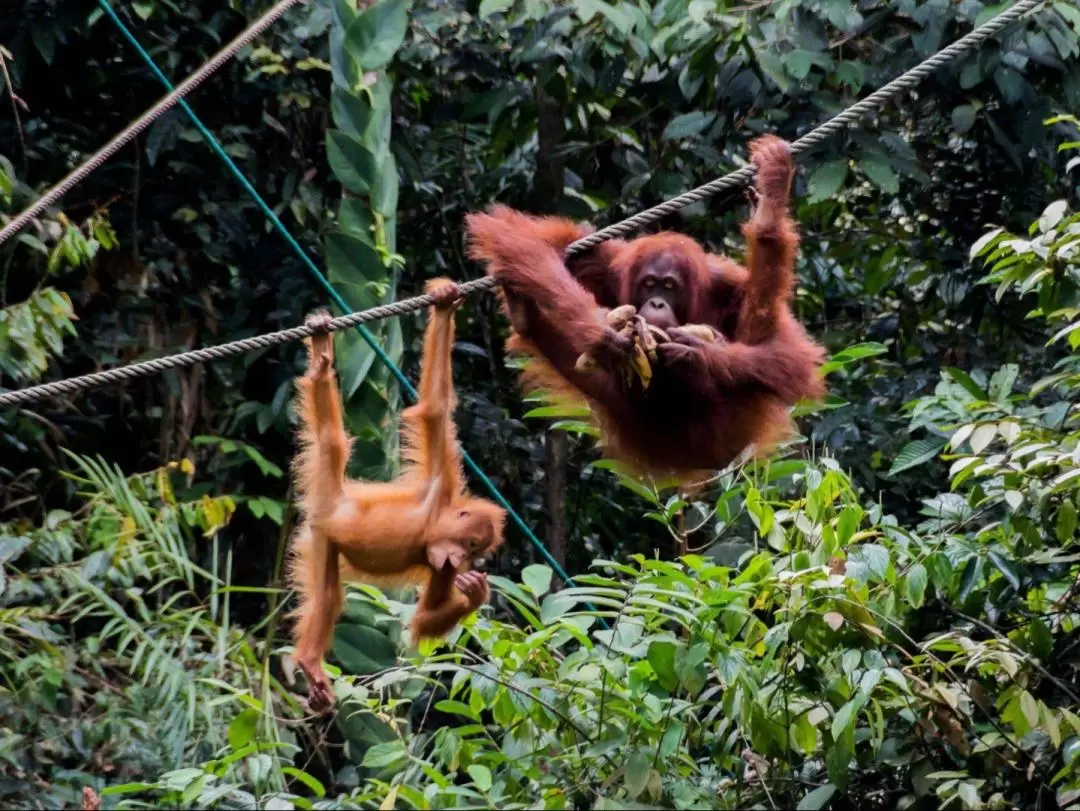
x=636 y=773
x=1030 y=707
x=457 y=708
x=538 y=578
x=804 y=734
x=818 y=798
x=984 y=242
x=490 y=7
x=825 y=181
x=384 y=755
x=375 y=35
x=798 y=63
x=362 y=649
x=844 y=720
x=1006 y=568
x=622 y=20
x=242 y=728
x=916 y=453
x=1066 y=522
x=880 y=173
x=967 y=382
x=384 y=194
x=1001 y=383
x=661 y=658
x=915 y=583
x=851 y=354
x=481 y=776
x=982 y=436
x=316 y=787
x=963 y=118
x=686 y=125
x=352 y=163
x=1052 y=215
x=12 y=546
x=555 y=605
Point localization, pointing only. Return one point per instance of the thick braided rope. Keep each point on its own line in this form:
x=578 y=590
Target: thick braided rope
x=851 y=115
x=150 y=367
x=737 y=178
x=81 y=172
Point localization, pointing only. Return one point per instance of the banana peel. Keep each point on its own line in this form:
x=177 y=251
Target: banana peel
x=645 y=338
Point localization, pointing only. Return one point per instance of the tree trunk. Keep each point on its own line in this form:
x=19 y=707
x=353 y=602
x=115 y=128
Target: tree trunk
x=548 y=184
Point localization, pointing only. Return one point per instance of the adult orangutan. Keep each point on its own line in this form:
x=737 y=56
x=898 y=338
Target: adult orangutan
x=708 y=399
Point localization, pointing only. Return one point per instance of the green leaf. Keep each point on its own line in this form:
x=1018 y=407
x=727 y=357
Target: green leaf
x=375 y=35
x=963 y=118
x=817 y=799
x=1066 y=522
x=825 y=181
x=587 y=9
x=636 y=773
x=966 y=382
x=916 y=453
x=853 y=353
x=838 y=757
x=561 y=411
x=880 y=173
x=362 y=649
x=1006 y=568
x=555 y=605
x=798 y=63
x=851 y=72
x=1052 y=215
x=490 y=7
x=686 y=125
x=127 y=788
x=661 y=658
x=690 y=668
x=1030 y=708
x=242 y=728
x=317 y=788
x=384 y=755
x=804 y=734
x=481 y=776
x=845 y=718
x=384 y=195
x=916 y=584
x=352 y=163
x=1001 y=383
x=12 y=547
x=982 y=436
x=538 y=578
x=457 y=708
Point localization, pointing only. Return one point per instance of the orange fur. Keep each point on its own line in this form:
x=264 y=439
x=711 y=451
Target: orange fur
x=707 y=402
x=423 y=528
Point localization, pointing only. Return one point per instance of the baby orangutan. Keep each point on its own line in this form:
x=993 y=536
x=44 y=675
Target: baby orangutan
x=423 y=528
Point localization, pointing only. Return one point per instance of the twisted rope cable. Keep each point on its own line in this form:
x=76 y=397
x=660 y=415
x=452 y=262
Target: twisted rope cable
x=150 y=367
x=739 y=177
x=167 y=102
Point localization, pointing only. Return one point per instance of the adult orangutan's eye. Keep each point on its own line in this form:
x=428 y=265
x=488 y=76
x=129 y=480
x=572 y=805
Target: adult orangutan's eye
x=669 y=284
x=650 y=283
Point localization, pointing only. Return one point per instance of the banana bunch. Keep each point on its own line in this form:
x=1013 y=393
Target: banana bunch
x=625 y=321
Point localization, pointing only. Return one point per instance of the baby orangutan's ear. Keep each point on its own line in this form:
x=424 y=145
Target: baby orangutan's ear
x=440 y=553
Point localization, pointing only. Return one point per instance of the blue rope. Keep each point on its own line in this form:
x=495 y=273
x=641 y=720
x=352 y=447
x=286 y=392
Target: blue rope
x=313 y=269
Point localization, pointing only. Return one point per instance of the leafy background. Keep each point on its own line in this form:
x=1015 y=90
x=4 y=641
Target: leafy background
x=883 y=615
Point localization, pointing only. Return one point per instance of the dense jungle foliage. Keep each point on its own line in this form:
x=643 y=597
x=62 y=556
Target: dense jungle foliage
x=886 y=614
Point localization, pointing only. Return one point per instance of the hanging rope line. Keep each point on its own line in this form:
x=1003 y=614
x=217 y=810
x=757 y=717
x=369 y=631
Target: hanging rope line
x=739 y=177
x=145 y=120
